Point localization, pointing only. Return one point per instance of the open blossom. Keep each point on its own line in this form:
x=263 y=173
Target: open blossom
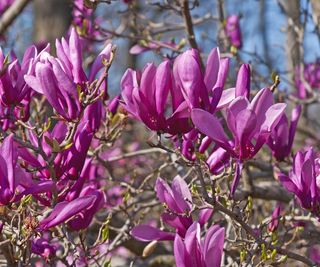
x=302 y=180
x=178 y=202
x=192 y=251
x=281 y=139
x=233 y=30
x=248 y=122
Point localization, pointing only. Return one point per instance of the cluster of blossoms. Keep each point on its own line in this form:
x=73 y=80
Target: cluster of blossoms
x=198 y=98
x=189 y=249
x=225 y=126
x=49 y=161
x=56 y=122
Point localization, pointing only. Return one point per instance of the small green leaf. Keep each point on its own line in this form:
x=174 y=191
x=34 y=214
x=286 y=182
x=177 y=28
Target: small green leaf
x=105 y=233
x=107 y=263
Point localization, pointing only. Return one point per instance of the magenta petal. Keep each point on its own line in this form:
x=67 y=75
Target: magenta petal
x=210 y=126
x=212 y=69
x=149 y=233
x=165 y=195
x=98 y=63
x=204 y=216
x=181 y=193
x=235 y=107
x=10 y=157
x=180 y=253
x=163 y=84
x=64 y=211
x=213 y=246
x=243 y=81
x=147 y=84
x=76 y=56
x=223 y=72
x=295 y=115
x=288 y=183
x=226 y=98
x=273 y=116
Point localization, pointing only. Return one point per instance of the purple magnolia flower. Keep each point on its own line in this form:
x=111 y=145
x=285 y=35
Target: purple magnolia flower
x=311 y=76
x=145 y=98
x=65 y=211
x=233 y=30
x=302 y=180
x=8 y=160
x=273 y=225
x=198 y=89
x=61 y=79
x=42 y=247
x=192 y=251
x=246 y=121
x=69 y=164
x=281 y=139
x=84 y=218
x=178 y=202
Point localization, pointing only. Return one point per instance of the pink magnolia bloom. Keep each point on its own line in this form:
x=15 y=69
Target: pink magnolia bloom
x=146 y=97
x=65 y=211
x=61 y=79
x=194 y=251
x=178 y=201
x=246 y=121
x=302 y=180
x=273 y=225
x=198 y=89
x=312 y=77
x=281 y=139
x=233 y=30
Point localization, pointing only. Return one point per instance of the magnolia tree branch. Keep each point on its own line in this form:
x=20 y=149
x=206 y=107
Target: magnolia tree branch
x=11 y=14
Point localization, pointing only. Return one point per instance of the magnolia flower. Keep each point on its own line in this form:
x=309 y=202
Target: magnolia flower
x=13 y=88
x=178 y=202
x=273 y=225
x=246 y=121
x=312 y=77
x=281 y=138
x=63 y=79
x=42 y=247
x=192 y=251
x=302 y=180
x=200 y=90
x=65 y=211
x=233 y=30
x=145 y=98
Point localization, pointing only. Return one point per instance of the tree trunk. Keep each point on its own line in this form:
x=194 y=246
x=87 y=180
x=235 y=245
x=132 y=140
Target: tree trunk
x=52 y=19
